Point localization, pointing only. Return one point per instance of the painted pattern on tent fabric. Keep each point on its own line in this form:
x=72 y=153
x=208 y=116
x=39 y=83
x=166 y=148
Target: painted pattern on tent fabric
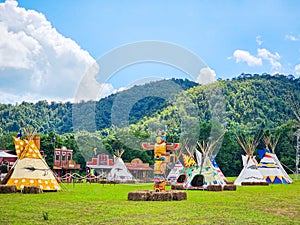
x=217 y=168
x=19 y=146
x=48 y=184
x=175 y=172
x=270 y=170
x=31 y=169
x=209 y=174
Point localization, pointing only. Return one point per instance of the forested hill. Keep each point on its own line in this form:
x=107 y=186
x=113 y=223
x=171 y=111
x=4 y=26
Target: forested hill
x=253 y=101
x=246 y=103
x=57 y=117
x=250 y=101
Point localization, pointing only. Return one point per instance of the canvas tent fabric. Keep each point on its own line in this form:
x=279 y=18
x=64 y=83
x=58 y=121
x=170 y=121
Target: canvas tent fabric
x=202 y=175
x=119 y=171
x=217 y=168
x=250 y=172
x=271 y=168
x=31 y=169
x=175 y=172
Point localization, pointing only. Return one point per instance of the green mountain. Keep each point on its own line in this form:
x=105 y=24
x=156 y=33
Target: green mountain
x=58 y=117
x=245 y=104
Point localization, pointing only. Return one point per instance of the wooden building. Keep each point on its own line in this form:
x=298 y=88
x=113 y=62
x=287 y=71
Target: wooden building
x=101 y=165
x=140 y=170
x=64 y=163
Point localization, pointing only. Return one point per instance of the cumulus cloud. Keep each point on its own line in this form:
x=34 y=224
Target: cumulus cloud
x=206 y=76
x=37 y=62
x=262 y=55
x=272 y=58
x=245 y=56
x=297 y=69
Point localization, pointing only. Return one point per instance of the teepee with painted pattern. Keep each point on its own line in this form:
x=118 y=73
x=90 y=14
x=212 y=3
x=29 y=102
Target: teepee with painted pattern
x=270 y=166
x=31 y=168
x=250 y=173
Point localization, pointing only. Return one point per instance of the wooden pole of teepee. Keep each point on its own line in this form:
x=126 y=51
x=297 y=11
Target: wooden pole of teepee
x=297 y=154
x=295 y=108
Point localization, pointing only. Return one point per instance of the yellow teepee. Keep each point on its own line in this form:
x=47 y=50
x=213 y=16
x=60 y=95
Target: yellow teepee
x=31 y=169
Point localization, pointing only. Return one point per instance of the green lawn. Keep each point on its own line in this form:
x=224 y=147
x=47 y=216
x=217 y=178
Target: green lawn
x=108 y=204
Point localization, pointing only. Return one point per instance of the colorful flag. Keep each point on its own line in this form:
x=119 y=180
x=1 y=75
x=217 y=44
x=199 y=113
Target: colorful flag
x=19 y=135
x=94 y=152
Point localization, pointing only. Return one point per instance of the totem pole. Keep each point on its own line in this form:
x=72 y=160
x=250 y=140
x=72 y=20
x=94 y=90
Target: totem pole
x=160 y=148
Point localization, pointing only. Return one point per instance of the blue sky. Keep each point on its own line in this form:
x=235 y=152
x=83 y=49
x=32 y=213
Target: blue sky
x=231 y=37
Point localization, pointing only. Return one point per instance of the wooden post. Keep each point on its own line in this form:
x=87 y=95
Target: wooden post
x=297 y=154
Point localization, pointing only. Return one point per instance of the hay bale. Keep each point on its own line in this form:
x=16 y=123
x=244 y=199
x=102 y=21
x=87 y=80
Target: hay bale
x=31 y=190
x=230 y=182
x=177 y=187
x=161 y=196
x=6 y=189
x=169 y=195
x=229 y=187
x=130 y=182
x=214 y=188
x=139 y=196
x=168 y=183
x=179 y=195
x=255 y=183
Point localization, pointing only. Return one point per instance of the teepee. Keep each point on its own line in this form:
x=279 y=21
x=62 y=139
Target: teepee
x=119 y=171
x=269 y=166
x=176 y=169
x=250 y=172
x=217 y=168
x=30 y=169
x=201 y=174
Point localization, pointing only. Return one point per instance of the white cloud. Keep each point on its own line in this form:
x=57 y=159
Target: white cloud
x=265 y=54
x=297 y=69
x=245 y=56
x=272 y=58
x=291 y=37
x=206 y=76
x=37 y=62
x=258 y=40
x=90 y=88
x=262 y=54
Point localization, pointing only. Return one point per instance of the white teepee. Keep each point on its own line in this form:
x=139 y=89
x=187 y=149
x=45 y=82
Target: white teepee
x=175 y=172
x=250 y=172
x=119 y=171
x=270 y=167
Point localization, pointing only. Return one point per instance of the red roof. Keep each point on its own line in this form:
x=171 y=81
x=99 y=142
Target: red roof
x=138 y=167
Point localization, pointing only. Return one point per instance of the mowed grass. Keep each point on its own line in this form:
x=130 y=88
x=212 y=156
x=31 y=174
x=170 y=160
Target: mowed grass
x=107 y=204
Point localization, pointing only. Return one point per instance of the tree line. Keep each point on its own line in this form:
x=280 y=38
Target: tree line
x=245 y=104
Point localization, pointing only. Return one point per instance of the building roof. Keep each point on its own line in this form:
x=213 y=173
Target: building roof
x=138 y=167
x=6 y=155
x=99 y=166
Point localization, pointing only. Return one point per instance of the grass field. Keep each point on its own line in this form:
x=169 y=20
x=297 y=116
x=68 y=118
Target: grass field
x=108 y=204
